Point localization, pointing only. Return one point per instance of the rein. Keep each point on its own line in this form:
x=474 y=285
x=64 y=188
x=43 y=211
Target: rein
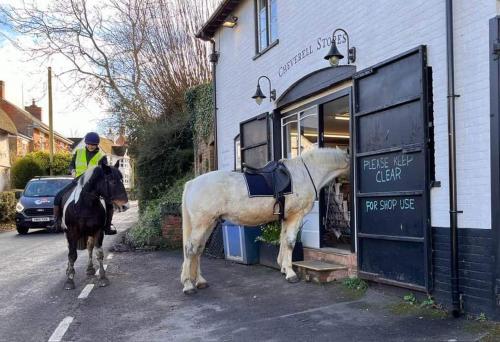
x=98 y=197
x=310 y=177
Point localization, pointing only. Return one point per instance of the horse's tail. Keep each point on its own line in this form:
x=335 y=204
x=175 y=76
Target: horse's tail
x=82 y=243
x=186 y=221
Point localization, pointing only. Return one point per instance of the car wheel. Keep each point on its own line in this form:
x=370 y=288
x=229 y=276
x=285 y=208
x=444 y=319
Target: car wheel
x=22 y=230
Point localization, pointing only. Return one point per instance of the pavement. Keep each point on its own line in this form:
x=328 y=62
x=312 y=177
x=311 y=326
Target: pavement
x=144 y=301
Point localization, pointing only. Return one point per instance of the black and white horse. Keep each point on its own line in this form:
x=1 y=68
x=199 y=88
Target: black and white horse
x=84 y=216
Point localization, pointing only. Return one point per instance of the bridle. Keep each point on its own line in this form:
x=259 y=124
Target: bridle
x=310 y=177
x=99 y=197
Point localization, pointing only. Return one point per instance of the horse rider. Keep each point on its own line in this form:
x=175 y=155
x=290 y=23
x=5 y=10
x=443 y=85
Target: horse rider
x=83 y=158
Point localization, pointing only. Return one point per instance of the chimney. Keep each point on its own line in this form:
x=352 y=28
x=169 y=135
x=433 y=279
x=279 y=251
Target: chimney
x=2 y=89
x=35 y=110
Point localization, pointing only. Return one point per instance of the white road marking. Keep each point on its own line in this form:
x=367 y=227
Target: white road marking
x=110 y=256
x=61 y=329
x=86 y=291
x=105 y=268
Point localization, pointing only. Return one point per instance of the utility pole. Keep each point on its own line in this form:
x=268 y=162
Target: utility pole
x=51 y=126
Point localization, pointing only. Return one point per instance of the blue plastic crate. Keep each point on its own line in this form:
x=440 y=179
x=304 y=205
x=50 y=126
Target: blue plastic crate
x=240 y=244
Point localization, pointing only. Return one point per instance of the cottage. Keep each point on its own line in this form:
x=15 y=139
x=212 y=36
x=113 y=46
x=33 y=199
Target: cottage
x=8 y=133
x=391 y=81
x=33 y=134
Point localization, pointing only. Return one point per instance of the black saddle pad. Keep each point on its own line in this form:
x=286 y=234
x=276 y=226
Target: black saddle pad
x=257 y=186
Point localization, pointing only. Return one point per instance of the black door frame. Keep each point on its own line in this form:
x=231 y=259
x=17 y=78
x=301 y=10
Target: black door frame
x=494 y=56
x=277 y=143
x=322 y=209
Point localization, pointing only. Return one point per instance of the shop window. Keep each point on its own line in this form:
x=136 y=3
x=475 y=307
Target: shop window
x=267 y=23
x=237 y=153
x=254 y=137
x=294 y=143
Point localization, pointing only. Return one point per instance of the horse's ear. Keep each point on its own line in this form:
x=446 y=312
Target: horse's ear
x=117 y=164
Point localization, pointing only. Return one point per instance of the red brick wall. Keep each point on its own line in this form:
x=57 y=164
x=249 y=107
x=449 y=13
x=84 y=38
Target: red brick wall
x=22 y=149
x=41 y=142
x=204 y=157
x=172 y=230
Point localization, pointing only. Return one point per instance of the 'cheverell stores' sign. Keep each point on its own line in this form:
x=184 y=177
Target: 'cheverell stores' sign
x=320 y=43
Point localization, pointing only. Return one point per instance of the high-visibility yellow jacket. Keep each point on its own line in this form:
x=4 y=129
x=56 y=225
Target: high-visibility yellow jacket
x=81 y=163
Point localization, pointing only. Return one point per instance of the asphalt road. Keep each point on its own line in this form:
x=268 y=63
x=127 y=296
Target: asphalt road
x=144 y=301
x=32 y=274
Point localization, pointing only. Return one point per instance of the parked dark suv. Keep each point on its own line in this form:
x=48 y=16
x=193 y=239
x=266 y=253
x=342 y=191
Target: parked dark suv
x=35 y=207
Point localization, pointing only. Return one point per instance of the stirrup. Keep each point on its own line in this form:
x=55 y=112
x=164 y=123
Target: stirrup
x=276 y=212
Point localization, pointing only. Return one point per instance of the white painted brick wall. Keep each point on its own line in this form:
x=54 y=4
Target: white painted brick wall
x=379 y=30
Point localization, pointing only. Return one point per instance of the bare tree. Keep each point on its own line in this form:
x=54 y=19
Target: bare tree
x=140 y=55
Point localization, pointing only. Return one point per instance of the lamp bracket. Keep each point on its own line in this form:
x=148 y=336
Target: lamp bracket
x=351 y=57
x=351 y=51
x=272 y=96
x=272 y=92
x=496 y=50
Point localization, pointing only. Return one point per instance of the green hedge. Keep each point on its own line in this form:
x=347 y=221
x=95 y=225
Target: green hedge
x=7 y=206
x=38 y=164
x=23 y=170
x=60 y=164
x=164 y=154
x=147 y=232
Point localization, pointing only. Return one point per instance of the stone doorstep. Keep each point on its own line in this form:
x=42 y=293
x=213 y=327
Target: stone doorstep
x=319 y=271
x=334 y=256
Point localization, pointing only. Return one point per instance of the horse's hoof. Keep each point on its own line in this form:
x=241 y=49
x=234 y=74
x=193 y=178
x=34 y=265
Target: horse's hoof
x=90 y=271
x=103 y=282
x=189 y=291
x=293 y=279
x=202 y=285
x=69 y=285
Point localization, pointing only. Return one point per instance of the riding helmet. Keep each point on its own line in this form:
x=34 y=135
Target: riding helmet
x=92 y=138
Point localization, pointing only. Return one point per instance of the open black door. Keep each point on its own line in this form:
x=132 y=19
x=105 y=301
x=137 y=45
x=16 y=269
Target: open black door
x=391 y=151
x=254 y=141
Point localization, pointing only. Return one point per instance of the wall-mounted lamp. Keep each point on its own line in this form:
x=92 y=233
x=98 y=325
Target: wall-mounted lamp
x=334 y=55
x=230 y=21
x=259 y=95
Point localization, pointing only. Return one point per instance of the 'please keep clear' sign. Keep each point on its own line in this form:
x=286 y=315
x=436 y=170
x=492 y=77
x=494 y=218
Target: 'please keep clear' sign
x=391 y=172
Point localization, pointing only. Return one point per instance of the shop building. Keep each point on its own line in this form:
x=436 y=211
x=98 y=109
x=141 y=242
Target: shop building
x=387 y=101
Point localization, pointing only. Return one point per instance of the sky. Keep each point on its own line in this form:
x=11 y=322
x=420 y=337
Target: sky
x=26 y=80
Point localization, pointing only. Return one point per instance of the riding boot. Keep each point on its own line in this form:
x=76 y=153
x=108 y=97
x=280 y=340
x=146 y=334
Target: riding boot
x=108 y=228
x=57 y=218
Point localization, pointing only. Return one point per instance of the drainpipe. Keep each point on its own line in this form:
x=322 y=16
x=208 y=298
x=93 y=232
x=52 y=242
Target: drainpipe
x=452 y=163
x=214 y=57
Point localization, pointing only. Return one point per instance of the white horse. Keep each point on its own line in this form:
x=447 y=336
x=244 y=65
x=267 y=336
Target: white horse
x=223 y=195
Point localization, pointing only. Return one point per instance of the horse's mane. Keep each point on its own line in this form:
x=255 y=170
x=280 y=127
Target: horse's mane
x=319 y=154
x=86 y=180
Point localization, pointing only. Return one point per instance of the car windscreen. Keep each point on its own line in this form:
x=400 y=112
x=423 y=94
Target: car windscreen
x=45 y=187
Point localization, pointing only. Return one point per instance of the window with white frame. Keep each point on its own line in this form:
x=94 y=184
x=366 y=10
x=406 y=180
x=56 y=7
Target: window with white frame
x=267 y=23
x=305 y=122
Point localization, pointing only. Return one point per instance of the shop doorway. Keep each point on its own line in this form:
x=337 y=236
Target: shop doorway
x=336 y=198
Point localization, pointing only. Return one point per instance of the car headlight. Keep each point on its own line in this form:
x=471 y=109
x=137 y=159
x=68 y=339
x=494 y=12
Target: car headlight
x=19 y=207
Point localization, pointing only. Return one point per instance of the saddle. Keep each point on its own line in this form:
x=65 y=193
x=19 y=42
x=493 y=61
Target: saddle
x=277 y=177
